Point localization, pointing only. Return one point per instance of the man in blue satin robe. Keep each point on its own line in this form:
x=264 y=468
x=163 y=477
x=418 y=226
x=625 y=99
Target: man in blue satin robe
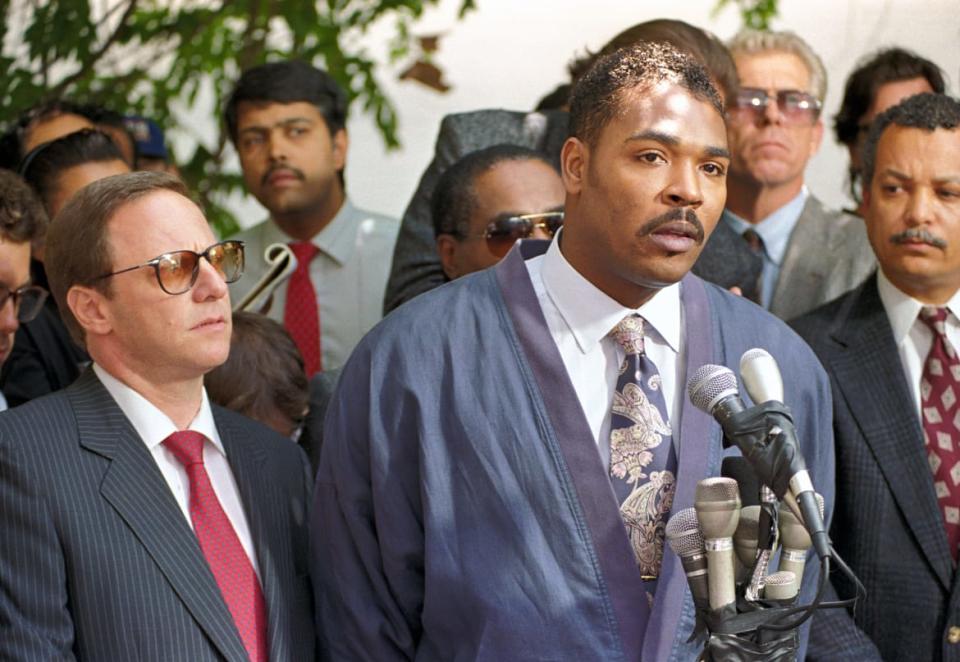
x=465 y=505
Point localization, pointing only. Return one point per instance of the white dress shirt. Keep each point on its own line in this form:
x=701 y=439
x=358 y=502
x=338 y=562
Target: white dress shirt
x=580 y=318
x=154 y=426
x=349 y=275
x=911 y=334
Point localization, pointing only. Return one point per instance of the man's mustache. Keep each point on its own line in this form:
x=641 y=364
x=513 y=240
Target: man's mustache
x=675 y=214
x=296 y=173
x=918 y=234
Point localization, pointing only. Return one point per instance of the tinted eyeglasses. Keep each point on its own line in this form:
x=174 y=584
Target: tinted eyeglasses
x=503 y=233
x=795 y=106
x=177 y=271
x=27 y=301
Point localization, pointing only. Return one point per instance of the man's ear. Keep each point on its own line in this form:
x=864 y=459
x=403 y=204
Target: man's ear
x=340 y=144
x=447 y=249
x=574 y=158
x=89 y=308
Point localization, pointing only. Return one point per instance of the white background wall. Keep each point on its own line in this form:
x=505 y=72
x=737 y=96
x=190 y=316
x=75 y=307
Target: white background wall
x=509 y=53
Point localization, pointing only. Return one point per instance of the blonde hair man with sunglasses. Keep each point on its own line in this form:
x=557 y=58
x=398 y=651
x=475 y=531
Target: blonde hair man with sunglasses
x=490 y=199
x=810 y=254
x=139 y=521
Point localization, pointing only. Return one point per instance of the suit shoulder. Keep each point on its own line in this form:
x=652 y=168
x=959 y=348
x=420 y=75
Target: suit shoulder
x=814 y=326
x=279 y=448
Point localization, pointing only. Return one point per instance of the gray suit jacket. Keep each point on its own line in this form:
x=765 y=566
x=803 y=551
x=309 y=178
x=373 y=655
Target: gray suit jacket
x=887 y=524
x=726 y=260
x=828 y=255
x=97 y=561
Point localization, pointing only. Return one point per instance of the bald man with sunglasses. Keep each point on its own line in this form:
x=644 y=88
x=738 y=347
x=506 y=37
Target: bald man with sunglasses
x=489 y=200
x=138 y=521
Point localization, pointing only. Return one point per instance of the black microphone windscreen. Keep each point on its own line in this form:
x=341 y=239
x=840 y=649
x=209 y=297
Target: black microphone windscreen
x=740 y=470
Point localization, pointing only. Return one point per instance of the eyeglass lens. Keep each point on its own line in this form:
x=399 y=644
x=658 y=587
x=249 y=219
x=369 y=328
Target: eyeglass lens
x=27 y=301
x=793 y=104
x=503 y=233
x=177 y=271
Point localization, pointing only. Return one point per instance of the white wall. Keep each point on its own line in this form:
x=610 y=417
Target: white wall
x=509 y=53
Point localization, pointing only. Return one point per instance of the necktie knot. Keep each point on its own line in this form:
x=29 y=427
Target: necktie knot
x=935 y=318
x=186 y=446
x=754 y=240
x=305 y=251
x=629 y=334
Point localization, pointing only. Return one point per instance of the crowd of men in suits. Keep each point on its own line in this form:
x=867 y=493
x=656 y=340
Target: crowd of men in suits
x=501 y=452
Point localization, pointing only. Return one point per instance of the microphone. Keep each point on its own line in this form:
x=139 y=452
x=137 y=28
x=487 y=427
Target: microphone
x=795 y=541
x=686 y=541
x=775 y=456
x=761 y=376
x=717 y=503
x=781 y=586
x=745 y=537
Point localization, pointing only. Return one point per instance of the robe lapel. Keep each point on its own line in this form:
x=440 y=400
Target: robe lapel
x=585 y=473
x=260 y=497
x=135 y=488
x=865 y=357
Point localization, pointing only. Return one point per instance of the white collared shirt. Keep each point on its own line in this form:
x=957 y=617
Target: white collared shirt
x=911 y=334
x=154 y=426
x=349 y=275
x=580 y=318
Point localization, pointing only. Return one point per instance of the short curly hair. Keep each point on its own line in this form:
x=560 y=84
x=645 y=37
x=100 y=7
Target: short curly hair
x=22 y=217
x=926 y=111
x=597 y=96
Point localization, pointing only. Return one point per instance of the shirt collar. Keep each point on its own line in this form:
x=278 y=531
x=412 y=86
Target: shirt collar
x=902 y=309
x=150 y=423
x=336 y=240
x=590 y=314
x=775 y=229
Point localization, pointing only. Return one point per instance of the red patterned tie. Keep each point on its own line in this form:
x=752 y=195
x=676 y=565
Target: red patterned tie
x=939 y=390
x=225 y=555
x=301 y=315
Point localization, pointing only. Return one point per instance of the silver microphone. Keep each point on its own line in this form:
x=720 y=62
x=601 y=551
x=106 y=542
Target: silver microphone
x=685 y=539
x=795 y=541
x=717 y=503
x=782 y=585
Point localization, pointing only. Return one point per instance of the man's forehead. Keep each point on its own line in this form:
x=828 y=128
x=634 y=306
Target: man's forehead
x=938 y=150
x=673 y=113
x=251 y=113
x=772 y=69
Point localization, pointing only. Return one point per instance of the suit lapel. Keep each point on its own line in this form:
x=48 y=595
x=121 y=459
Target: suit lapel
x=803 y=270
x=865 y=357
x=135 y=488
x=259 y=497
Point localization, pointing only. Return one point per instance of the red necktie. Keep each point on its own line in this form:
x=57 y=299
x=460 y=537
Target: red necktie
x=225 y=555
x=301 y=315
x=939 y=391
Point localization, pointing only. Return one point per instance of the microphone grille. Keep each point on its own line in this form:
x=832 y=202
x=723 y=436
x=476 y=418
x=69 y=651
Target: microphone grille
x=717 y=489
x=709 y=385
x=781 y=578
x=753 y=354
x=683 y=533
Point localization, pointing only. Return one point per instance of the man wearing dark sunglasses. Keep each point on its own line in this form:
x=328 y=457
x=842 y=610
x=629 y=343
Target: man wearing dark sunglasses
x=810 y=254
x=139 y=521
x=22 y=220
x=489 y=488
x=489 y=200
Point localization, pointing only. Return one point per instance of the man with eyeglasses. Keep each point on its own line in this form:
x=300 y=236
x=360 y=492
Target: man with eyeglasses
x=490 y=199
x=139 y=522
x=810 y=254
x=22 y=221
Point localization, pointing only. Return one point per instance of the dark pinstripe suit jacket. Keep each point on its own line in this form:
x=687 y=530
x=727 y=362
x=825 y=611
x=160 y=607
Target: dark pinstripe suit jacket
x=886 y=521
x=97 y=561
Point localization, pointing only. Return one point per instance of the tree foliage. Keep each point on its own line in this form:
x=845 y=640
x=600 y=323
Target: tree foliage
x=755 y=14
x=151 y=56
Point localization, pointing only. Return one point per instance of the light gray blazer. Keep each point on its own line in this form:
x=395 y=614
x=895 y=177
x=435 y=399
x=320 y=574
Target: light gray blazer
x=828 y=255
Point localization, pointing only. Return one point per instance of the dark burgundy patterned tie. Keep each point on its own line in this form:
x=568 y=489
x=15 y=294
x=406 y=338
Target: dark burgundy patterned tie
x=939 y=390
x=222 y=548
x=643 y=463
x=301 y=316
